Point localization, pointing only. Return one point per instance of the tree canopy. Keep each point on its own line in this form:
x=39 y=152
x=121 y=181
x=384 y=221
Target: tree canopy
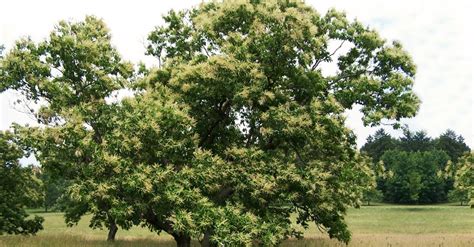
x=16 y=190
x=415 y=176
x=464 y=179
x=378 y=144
x=417 y=163
x=452 y=144
x=237 y=131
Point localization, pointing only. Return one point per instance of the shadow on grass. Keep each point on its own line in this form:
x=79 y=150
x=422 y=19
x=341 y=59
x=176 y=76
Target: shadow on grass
x=417 y=209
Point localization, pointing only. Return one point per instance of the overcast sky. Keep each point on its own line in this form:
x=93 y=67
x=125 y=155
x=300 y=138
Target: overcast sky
x=438 y=35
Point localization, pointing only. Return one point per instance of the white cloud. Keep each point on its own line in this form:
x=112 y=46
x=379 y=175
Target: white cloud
x=436 y=33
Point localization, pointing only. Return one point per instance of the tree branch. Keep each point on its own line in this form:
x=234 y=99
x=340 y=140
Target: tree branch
x=223 y=108
x=317 y=62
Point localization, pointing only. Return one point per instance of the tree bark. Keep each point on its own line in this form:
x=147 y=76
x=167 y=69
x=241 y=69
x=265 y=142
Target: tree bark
x=182 y=240
x=205 y=241
x=112 y=231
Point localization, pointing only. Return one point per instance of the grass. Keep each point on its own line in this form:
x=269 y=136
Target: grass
x=385 y=225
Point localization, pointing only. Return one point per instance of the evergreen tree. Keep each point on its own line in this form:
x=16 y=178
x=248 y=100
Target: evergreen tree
x=452 y=144
x=378 y=144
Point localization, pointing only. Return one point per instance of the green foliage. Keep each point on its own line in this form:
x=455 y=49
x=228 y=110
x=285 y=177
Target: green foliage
x=416 y=141
x=70 y=74
x=77 y=65
x=415 y=176
x=411 y=142
x=452 y=144
x=250 y=74
x=236 y=132
x=378 y=144
x=17 y=189
x=464 y=179
x=371 y=193
x=53 y=188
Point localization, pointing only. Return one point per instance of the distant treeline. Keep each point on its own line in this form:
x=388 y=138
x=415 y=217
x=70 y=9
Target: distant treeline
x=418 y=169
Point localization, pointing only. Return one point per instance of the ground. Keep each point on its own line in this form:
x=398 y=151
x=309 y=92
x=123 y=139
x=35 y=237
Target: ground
x=383 y=225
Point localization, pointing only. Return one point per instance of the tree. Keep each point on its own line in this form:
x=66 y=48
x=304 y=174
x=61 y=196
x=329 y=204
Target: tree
x=16 y=190
x=415 y=176
x=251 y=74
x=452 y=144
x=412 y=142
x=378 y=144
x=53 y=188
x=373 y=193
x=416 y=141
x=36 y=197
x=464 y=180
x=70 y=75
x=236 y=132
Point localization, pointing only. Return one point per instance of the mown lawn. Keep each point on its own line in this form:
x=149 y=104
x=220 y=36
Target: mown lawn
x=386 y=225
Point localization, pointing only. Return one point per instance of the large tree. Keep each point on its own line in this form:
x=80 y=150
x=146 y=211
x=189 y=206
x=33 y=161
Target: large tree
x=237 y=131
x=17 y=190
x=252 y=75
x=70 y=75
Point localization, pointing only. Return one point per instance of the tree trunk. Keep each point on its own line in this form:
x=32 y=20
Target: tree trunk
x=112 y=231
x=206 y=242
x=182 y=240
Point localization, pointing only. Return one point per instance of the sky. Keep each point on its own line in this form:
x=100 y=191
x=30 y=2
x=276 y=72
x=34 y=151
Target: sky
x=437 y=34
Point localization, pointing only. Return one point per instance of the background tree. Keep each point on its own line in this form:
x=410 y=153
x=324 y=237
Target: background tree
x=37 y=194
x=378 y=144
x=455 y=147
x=464 y=180
x=415 y=176
x=416 y=141
x=452 y=144
x=53 y=188
x=16 y=190
x=412 y=142
x=374 y=193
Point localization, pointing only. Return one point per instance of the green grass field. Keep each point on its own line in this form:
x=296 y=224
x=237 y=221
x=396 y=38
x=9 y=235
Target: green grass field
x=386 y=225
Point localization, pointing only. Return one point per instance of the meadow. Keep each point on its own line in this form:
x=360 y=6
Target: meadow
x=382 y=225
